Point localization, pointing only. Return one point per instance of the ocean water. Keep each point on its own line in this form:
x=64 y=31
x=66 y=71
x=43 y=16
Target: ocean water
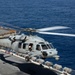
x=44 y=13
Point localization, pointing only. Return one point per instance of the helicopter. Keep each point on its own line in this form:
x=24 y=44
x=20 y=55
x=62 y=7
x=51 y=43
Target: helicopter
x=33 y=45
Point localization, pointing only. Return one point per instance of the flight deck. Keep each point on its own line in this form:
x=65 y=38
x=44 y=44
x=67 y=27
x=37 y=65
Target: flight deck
x=12 y=65
x=15 y=65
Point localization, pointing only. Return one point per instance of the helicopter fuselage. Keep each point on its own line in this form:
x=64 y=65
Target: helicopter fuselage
x=32 y=45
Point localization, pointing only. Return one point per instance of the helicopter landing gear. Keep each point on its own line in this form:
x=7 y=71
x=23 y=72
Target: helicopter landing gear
x=56 y=57
x=44 y=54
x=27 y=58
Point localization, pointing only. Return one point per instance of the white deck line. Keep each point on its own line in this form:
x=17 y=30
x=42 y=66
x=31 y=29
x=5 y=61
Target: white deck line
x=13 y=54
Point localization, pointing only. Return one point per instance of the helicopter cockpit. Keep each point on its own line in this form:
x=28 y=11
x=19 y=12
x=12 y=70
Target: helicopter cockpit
x=43 y=46
x=46 y=49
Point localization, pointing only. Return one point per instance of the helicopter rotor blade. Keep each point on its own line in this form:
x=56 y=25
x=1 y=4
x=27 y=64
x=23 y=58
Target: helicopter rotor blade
x=9 y=25
x=52 y=28
x=7 y=28
x=59 y=34
x=41 y=31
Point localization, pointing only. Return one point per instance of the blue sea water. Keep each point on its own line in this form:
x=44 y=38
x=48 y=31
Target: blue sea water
x=44 y=13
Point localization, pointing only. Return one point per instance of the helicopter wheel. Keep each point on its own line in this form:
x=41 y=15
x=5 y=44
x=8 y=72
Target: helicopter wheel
x=44 y=54
x=57 y=58
x=27 y=58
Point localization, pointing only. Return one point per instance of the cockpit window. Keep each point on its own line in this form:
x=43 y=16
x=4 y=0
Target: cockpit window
x=38 y=47
x=44 y=47
x=50 y=46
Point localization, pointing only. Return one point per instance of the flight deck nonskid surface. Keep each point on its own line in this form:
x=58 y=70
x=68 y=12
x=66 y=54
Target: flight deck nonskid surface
x=12 y=65
x=9 y=68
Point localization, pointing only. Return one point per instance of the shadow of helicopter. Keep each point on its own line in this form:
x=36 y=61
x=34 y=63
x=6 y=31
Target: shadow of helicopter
x=29 y=68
